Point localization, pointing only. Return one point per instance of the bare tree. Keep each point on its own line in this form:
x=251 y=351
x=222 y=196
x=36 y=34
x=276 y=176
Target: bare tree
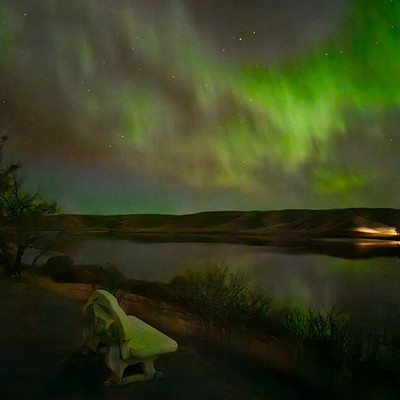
x=15 y=207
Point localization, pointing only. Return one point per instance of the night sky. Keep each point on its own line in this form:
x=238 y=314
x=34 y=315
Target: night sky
x=158 y=106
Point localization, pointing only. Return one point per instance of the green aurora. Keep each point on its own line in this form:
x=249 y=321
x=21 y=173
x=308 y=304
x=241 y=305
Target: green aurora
x=147 y=92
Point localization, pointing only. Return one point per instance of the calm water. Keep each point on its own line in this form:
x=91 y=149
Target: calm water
x=300 y=279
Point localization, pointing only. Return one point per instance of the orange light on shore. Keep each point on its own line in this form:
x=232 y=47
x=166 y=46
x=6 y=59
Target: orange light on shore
x=389 y=231
x=378 y=243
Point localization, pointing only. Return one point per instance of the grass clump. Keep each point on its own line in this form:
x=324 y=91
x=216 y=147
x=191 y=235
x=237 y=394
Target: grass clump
x=339 y=350
x=218 y=295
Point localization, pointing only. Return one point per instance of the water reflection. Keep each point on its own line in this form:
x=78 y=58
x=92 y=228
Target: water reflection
x=292 y=275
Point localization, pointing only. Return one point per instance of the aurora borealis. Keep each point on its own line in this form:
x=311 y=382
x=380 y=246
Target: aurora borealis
x=181 y=106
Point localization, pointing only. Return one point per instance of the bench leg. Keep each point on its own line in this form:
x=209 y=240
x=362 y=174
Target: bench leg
x=148 y=367
x=117 y=367
x=148 y=370
x=115 y=364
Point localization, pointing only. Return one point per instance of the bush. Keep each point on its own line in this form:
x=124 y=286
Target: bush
x=335 y=342
x=220 y=296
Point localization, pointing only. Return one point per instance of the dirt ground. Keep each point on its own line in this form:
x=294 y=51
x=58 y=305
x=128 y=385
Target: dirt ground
x=40 y=358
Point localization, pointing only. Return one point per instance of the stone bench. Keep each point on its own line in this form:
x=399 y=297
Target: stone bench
x=126 y=340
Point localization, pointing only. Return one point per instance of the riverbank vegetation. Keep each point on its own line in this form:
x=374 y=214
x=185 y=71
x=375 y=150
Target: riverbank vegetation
x=218 y=295
x=337 y=350
x=336 y=346
x=342 y=351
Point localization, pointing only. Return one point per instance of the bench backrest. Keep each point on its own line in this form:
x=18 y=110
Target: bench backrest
x=110 y=318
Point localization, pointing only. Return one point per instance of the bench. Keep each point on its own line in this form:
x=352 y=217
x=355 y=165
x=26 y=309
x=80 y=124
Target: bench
x=126 y=340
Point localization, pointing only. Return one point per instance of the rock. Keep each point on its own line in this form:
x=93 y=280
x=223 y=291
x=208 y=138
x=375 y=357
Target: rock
x=57 y=261
x=60 y=268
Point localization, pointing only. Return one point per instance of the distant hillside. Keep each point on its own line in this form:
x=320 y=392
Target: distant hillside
x=297 y=225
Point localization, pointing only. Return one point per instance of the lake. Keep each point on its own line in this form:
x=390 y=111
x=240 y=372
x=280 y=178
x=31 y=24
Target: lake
x=291 y=275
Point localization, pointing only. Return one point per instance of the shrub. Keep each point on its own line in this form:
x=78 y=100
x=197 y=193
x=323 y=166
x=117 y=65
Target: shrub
x=335 y=342
x=218 y=295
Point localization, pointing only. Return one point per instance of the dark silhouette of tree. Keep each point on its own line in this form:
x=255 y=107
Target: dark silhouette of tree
x=15 y=207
